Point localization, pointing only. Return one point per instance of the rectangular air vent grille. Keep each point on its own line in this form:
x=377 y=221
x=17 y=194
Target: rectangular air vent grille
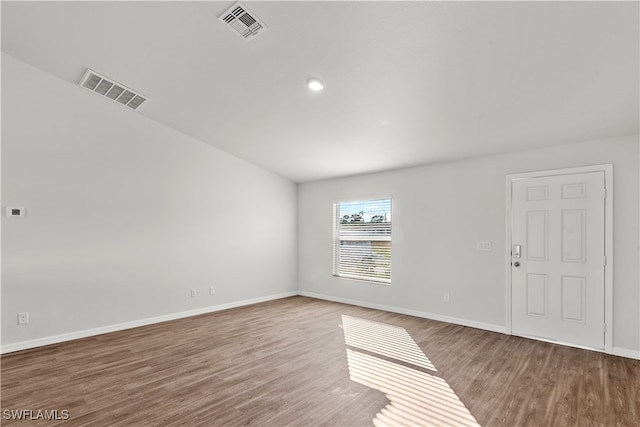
x=242 y=22
x=111 y=89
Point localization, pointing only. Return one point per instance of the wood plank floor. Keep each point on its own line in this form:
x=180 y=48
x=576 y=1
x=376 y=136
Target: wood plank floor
x=284 y=362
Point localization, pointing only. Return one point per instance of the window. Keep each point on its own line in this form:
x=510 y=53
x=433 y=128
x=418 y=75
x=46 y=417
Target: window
x=362 y=240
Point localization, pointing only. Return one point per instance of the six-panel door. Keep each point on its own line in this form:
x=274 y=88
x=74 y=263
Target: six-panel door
x=558 y=288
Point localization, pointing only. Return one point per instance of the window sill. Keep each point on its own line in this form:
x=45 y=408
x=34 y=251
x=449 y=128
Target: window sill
x=364 y=279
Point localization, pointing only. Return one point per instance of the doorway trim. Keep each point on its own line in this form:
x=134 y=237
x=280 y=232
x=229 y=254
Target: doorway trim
x=608 y=243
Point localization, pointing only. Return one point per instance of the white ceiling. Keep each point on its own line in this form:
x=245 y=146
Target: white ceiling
x=407 y=83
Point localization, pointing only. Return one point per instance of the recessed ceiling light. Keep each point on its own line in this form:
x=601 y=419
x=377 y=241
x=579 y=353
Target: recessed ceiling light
x=315 y=85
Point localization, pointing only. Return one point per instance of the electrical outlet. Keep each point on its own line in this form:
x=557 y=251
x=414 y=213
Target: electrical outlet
x=212 y=290
x=446 y=297
x=194 y=293
x=23 y=318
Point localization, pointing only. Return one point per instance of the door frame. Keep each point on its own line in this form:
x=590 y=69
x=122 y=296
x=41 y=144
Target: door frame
x=608 y=243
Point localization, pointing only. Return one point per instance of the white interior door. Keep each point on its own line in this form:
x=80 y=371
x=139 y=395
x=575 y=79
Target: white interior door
x=558 y=258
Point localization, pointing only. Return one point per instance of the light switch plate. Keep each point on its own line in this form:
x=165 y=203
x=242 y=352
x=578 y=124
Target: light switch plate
x=483 y=246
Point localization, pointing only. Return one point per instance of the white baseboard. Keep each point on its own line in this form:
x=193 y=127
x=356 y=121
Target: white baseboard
x=24 y=345
x=617 y=351
x=625 y=352
x=424 y=315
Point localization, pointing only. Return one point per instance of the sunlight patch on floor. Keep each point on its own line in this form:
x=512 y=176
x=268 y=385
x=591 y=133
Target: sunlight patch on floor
x=386 y=340
x=416 y=397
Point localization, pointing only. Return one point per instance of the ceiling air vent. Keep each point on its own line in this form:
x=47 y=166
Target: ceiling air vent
x=111 y=89
x=242 y=22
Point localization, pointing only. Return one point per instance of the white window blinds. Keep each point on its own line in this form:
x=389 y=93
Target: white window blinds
x=362 y=240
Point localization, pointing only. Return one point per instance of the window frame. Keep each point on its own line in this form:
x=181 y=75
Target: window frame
x=338 y=239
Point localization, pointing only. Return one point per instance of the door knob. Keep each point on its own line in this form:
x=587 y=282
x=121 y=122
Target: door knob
x=516 y=264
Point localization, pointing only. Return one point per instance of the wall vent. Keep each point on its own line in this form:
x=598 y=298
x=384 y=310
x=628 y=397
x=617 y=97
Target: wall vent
x=111 y=89
x=242 y=22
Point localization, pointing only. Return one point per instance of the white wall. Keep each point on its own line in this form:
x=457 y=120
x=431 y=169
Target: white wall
x=441 y=211
x=125 y=216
